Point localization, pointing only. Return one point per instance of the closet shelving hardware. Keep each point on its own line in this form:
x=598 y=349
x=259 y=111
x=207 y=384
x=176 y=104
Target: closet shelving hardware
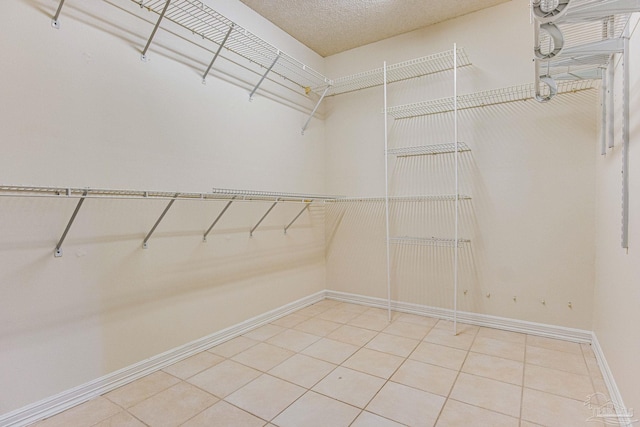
x=217 y=194
x=428 y=241
x=401 y=199
x=426 y=150
x=483 y=99
x=406 y=70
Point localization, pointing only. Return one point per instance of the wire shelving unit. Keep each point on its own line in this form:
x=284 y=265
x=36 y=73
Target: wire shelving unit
x=429 y=241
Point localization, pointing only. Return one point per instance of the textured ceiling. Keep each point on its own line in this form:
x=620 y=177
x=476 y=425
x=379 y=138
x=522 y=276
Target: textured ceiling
x=333 y=26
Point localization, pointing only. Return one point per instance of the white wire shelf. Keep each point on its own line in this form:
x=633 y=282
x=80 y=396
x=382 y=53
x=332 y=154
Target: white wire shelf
x=426 y=150
x=428 y=241
x=483 y=99
x=406 y=70
x=216 y=194
x=200 y=19
x=403 y=199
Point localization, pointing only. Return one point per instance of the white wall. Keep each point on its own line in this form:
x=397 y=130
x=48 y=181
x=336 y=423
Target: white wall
x=530 y=174
x=617 y=290
x=79 y=108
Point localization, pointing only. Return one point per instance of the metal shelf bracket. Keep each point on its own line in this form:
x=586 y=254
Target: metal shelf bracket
x=315 y=108
x=264 y=76
x=206 y=233
x=58 y=250
x=306 y=206
x=153 y=33
x=263 y=217
x=54 y=22
x=146 y=239
x=226 y=37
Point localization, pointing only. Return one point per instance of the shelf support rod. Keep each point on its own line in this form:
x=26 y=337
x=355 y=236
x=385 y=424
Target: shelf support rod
x=146 y=239
x=54 y=22
x=625 y=142
x=306 y=206
x=386 y=187
x=153 y=33
x=457 y=207
x=204 y=76
x=58 y=251
x=263 y=217
x=315 y=108
x=206 y=233
x=264 y=76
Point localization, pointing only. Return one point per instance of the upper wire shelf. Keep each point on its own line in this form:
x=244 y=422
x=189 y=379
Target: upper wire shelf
x=428 y=241
x=426 y=150
x=483 y=99
x=422 y=198
x=200 y=19
x=410 y=69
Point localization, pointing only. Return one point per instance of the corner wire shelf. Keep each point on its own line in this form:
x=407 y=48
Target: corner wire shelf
x=402 y=199
x=406 y=70
x=428 y=241
x=217 y=194
x=426 y=150
x=483 y=99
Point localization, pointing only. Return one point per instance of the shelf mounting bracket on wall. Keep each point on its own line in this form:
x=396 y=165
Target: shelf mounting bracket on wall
x=204 y=76
x=146 y=239
x=206 y=233
x=153 y=33
x=263 y=217
x=54 y=22
x=264 y=76
x=306 y=206
x=58 y=250
x=315 y=108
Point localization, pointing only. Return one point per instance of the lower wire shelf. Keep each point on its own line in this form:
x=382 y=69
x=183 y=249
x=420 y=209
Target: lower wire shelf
x=428 y=241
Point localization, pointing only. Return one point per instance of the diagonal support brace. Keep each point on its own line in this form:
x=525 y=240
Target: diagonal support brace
x=204 y=76
x=146 y=239
x=306 y=206
x=58 y=250
x=263 y=217
x=54 y=22
x=206 y=233
x=315 y=109
x=263 y=77
x=155 y=29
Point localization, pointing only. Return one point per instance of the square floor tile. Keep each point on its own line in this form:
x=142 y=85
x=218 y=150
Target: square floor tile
x=560 y=360
x=263 y=333
x=139 y=390
x=337 y=315
x=368 y=321
x=316 y=410
x=330 y=350
x=554 y=344
x=312 y=310
x=173 y=406
x=565 y=384
x=554 y=411
x=233 y=346
x=497 y=368
x=407 y=330
x=393 y=344
x=373 y=362
x=501 y=335
x=462 y=328
x=499 y=348
x=439 y=355
x=457 y=414
x=189 y=367
x=263 y=356
x=293 y=340
x=319 y=327
x=367 y=419
x=406 y=405
x=349 y=386
x=352 y=335
x=444 y=336
x=414 y=318
x=86 y=414
x=354 y=308
x=302 y=370
x=431 y=378
x=488 y=394
x=222 y=414
x=224 y=378
x=123 y=419
x=266 y=396
x=290 y=320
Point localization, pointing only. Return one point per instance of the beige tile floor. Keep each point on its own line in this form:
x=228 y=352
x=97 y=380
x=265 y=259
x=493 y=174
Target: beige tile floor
x=337 y=364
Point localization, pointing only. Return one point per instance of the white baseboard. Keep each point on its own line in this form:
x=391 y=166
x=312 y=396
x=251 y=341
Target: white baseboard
x=75 y=396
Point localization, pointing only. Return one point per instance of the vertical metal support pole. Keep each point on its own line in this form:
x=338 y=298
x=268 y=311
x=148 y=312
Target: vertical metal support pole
x=206 y=233
x=153 y=33
x=146 y=239
x=263 y=76
x=455 y=136
x=306 y=206
x=262 y=219
x=386 y=188
x=58 y=250
x=315 y=109
x=204 y=76
x=603 y=115
x=610 y=100
x=625 y=141
x=54 y=22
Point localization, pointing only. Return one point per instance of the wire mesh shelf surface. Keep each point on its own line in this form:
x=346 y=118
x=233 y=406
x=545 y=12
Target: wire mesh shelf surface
x=428 y=241
x=403 y=199
x=483 y=99
x=200 y=19
x=426 y=150
x=406 y=70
